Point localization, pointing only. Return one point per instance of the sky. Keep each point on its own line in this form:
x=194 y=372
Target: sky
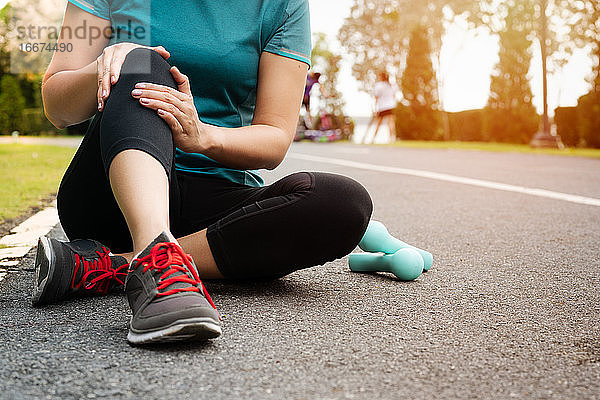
x=467 y=62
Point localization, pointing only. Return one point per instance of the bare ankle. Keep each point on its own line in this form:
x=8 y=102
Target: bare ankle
x=141 y=240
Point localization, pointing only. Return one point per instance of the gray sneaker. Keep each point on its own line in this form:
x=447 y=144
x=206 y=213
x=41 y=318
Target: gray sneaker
x=81 y=267
x=167 y=298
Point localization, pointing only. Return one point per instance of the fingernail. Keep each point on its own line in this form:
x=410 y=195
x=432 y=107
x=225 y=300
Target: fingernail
x=161 y=112
x=104 y=93
x=136 y=92
x=140 y=85
x=144 y=101
x=99 y=106
x=113 y=79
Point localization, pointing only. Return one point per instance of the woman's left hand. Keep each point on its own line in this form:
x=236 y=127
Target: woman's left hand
x=176 y=108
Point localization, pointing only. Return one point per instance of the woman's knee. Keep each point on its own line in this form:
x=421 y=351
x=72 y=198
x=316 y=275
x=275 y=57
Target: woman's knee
x=140 y=65
x=349 y=197
x=143 y=64
x=344 y=203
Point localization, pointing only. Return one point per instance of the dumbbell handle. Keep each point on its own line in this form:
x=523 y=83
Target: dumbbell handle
x=370 y=262
x=405 y=264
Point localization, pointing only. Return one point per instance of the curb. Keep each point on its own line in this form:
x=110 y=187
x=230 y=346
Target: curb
x=15 y=245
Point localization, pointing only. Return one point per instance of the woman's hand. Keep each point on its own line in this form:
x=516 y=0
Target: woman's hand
x=177 y=109
x=108 y=66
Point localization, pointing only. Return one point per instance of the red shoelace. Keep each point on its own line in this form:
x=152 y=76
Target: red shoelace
x=171 y=258
x=98 y=273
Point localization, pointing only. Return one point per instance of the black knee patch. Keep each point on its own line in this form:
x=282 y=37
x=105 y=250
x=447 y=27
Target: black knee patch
x=142 y=64
x=348 y=199
x=345 y=208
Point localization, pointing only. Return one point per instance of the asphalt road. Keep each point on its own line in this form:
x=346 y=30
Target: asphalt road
x=510 y=309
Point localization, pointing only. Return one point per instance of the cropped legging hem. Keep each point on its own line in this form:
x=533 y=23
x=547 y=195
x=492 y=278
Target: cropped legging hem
x=135 y=143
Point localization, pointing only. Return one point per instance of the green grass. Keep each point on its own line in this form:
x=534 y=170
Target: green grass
x=495 y=147
x=29 y=173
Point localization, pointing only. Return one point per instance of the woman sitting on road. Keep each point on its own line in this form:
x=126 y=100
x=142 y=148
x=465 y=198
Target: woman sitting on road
x=167 y=171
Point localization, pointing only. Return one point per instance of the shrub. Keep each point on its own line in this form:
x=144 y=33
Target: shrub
x=466 y=126
x=418 y=123
x=12 y=104
x=588 y=119
x=35 y=123
x=566 y=126
x=515 y=125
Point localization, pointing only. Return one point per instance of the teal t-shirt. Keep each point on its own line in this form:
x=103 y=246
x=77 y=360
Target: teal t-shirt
x=217 y=44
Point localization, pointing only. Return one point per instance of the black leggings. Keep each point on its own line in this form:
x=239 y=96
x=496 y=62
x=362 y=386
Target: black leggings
x=302 y=220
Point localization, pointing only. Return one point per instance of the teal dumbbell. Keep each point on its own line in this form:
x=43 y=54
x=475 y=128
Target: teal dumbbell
x=406 y=264
x=377 y=239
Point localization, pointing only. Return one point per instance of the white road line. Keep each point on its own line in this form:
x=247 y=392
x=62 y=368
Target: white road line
x=23 y=237
x=451 y=178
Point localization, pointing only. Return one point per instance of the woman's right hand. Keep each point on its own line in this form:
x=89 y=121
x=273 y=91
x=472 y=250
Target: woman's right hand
x=108 y=66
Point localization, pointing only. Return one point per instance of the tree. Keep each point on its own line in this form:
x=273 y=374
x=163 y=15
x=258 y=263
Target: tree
x=4 y=53
x=26 y=68
x=419 y=87
x=584 y=21
x=492 y=14
x=377 y=32
x=12 y=104
x=419 y=84
x=328 y=63
x=511 y=116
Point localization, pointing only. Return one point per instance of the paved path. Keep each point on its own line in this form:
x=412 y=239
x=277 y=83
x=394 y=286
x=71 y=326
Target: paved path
x=510 y=309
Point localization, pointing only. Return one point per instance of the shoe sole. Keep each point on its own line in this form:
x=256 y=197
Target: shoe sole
x=44 y=261
x=192 y=330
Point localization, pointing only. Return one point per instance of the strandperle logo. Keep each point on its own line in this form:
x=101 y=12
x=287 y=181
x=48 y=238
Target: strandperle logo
x=31 y=33
x=34 y=32
x=32 y=45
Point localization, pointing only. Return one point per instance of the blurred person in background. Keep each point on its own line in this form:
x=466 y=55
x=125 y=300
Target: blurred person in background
x=385 y=104
x=312 y=78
